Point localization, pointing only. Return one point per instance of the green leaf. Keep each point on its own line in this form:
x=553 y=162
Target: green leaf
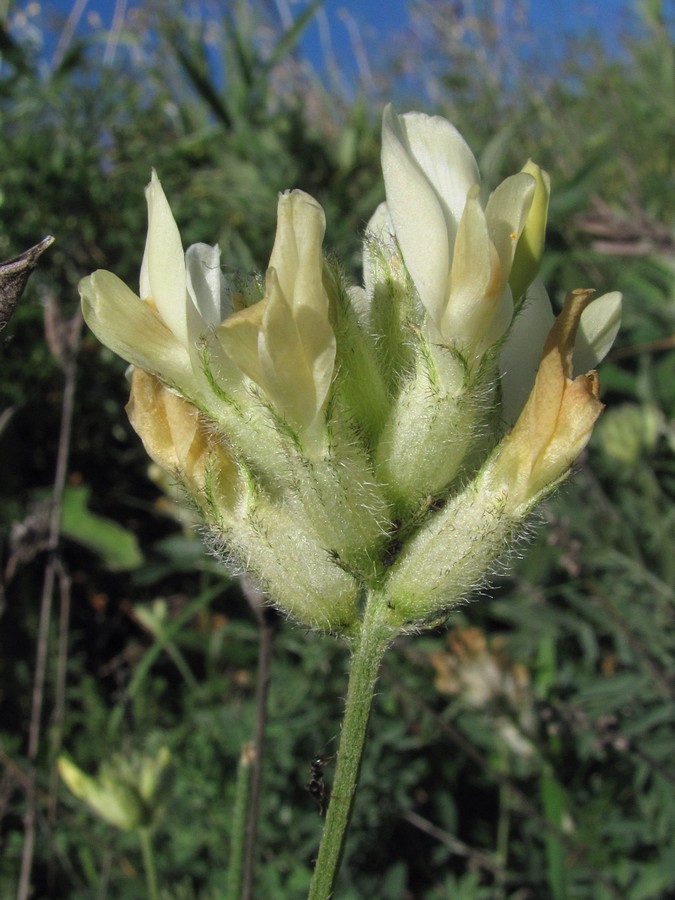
x=114 y=544
x=554 y=803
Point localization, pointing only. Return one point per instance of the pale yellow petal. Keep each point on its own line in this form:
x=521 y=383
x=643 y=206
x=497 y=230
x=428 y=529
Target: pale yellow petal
x=530 y=249
x=304 y=291
x=133 y=330
x=163 y=268
x=470 y=276
x=599 y=326
x=479 y=307
x=506 y=213
x=296 y=255
x=287 y=371
x=239 y=336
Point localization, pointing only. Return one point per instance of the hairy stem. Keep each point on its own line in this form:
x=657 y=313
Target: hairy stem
x=369 y=648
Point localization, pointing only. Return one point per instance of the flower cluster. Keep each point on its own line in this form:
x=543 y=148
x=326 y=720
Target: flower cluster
x=385 y=440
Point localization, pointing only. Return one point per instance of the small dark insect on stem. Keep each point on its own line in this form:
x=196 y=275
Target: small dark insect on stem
x=316 y=786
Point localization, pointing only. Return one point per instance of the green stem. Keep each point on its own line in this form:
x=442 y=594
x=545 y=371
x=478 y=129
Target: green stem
x=235 y=875
x=149 y=863
x=369 y=648
x=180 y=663
x=150 y=657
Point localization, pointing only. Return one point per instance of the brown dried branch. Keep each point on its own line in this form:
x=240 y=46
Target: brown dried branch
x=13 y=277
x=629 y=233
x=52 y=571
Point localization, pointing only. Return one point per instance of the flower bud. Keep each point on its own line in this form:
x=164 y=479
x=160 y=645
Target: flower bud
x=530 y=248
x=556 y=422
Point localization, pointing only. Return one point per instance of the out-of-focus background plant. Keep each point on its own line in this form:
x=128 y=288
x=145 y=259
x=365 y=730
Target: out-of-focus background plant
x=527 y=751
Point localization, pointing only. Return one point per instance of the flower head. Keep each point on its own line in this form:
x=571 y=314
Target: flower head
x=345 y=442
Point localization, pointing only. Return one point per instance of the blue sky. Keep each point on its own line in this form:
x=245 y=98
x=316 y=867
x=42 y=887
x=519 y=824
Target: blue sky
x=550 y=20
x=377 y=22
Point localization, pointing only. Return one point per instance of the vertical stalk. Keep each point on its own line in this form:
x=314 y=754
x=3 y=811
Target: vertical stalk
x=267 y=626
x=235 y=872
x=149 y=863
x=67 y=355
x=369 y=648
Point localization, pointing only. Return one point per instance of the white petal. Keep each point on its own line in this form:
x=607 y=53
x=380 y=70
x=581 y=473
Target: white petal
x=519 y=359
x=206 y=283
x=469 y=277
x=163 y=267
x=420 y=220
x=598 y=328
x=445 y=158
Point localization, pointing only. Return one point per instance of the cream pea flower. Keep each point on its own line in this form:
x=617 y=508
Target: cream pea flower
x=183 y=296
x=285 y=343
x=367 y=449
x=458 y=253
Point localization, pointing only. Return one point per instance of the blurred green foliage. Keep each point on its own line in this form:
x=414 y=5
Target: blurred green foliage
x=528 y=753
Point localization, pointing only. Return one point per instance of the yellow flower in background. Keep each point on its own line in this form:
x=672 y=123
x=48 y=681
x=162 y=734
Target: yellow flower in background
x=127 y=790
